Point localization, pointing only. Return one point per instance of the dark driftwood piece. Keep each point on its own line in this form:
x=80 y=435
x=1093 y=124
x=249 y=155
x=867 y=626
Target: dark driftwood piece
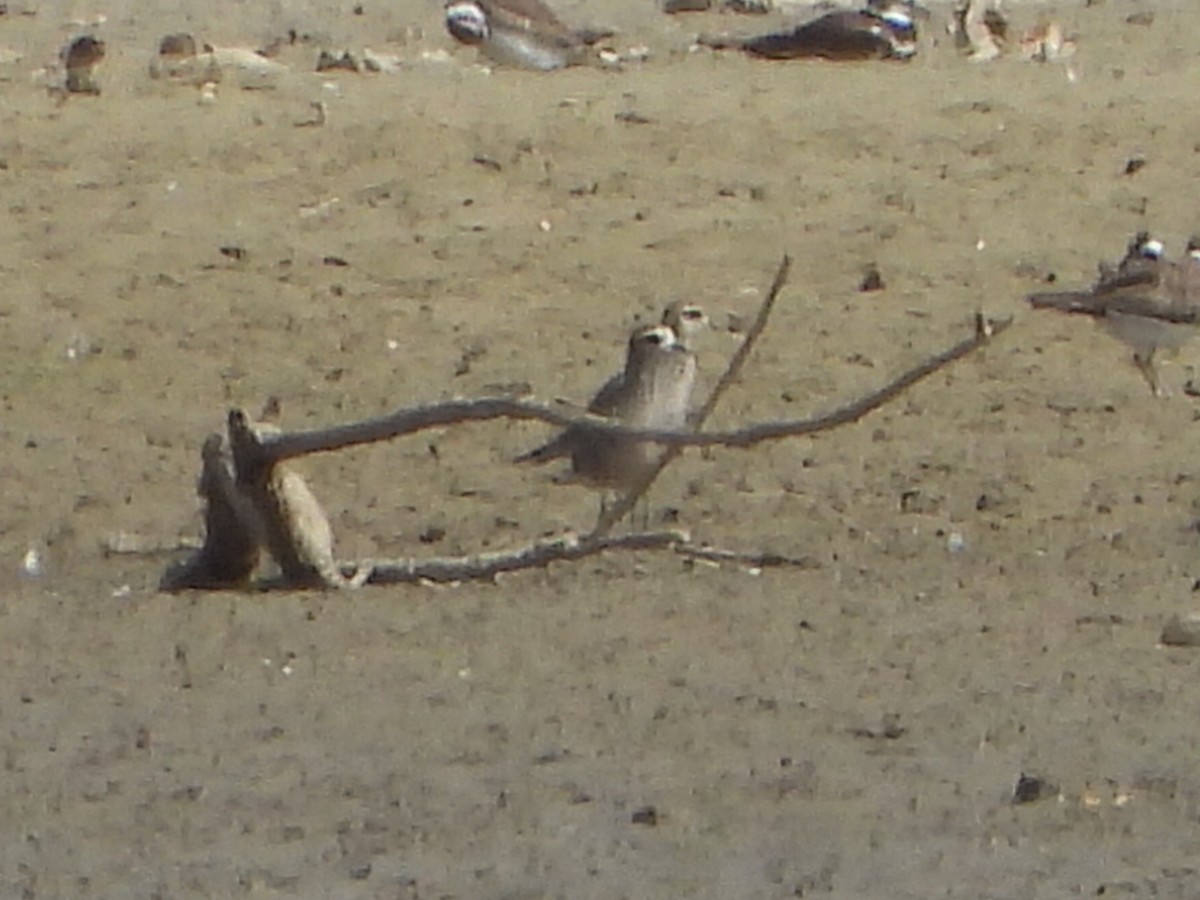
x=231 y=549
x=281 y=530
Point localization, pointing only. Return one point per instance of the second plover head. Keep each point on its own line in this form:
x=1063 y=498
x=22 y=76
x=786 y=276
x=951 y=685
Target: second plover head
x=686 y=319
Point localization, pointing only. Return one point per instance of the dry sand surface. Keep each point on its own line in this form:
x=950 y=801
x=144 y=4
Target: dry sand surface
x=992 y=557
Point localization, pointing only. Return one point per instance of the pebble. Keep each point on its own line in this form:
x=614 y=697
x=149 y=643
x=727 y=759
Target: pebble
x=1182 y=631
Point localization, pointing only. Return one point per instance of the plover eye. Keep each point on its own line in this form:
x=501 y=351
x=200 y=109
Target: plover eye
x=466 y=22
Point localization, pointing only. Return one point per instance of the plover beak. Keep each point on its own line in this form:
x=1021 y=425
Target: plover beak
x=467 y=22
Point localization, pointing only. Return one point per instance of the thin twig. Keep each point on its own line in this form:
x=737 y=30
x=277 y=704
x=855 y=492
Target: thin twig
x=852 y=412
x=614 y=514
x=489 y=565
x=757 y=560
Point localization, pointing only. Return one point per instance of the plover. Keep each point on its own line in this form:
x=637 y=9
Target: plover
x=882 y=29
x=521 y=33
x=654 y=392
x=1147 y=301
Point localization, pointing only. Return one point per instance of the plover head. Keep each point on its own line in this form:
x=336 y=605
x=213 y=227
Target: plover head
x=649 y=338
x=686 y=319
x=1145 y=247
x=467 y=22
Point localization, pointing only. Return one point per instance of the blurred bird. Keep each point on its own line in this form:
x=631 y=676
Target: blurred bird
x=521 y=33
x=882 y=29
x=1147 y=301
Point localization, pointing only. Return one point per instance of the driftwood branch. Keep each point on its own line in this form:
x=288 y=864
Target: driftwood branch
x=454 y=412
x=755 y=560
x=489 y=565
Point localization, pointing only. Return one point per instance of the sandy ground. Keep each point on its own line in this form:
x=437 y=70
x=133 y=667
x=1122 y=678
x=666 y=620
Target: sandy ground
x=629 y=726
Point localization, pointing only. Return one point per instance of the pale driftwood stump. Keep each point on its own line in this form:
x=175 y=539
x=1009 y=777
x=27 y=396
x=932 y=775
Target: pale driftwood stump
x=294 y=527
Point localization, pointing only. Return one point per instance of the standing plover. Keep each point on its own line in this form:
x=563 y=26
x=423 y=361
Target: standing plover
x=522 y=33
x=654 y=391
x=882 y=29
x=1148 y=302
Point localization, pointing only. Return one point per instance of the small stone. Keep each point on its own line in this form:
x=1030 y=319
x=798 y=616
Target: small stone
x=645 y=815
x=1182 y=631
x=871 y=280
x=1030 y=788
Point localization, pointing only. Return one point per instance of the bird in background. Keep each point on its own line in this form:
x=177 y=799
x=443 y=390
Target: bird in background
x=523 y=34
x=1147 y=301
x=881 y=29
